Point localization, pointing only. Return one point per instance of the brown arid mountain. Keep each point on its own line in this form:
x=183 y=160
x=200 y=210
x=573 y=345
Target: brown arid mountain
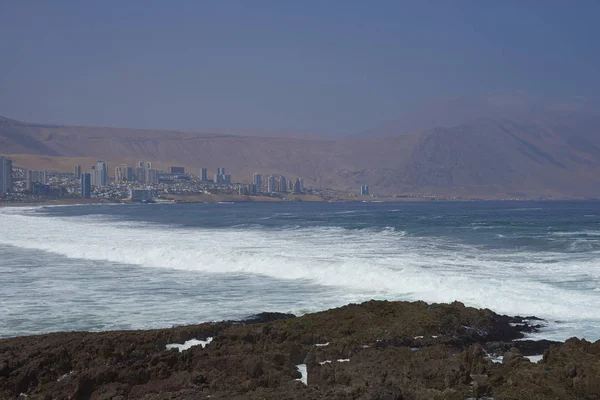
x=454 y=111
x=548 y=155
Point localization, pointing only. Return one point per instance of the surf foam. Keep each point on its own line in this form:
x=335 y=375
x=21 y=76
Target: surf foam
x=380 y=263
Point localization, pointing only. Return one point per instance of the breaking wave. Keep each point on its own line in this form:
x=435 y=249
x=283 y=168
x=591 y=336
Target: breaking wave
x=376 y=261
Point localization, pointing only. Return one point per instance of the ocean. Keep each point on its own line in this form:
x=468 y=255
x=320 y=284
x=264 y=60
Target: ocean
x=105 y=267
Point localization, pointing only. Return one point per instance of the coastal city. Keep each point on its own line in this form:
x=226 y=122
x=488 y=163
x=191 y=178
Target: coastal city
x=141 y=183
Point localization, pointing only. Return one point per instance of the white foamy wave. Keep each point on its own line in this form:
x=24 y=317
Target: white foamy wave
x=383 y=263
x=577 y=233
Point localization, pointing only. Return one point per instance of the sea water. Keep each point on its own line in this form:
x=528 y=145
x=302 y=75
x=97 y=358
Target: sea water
x=102 y=267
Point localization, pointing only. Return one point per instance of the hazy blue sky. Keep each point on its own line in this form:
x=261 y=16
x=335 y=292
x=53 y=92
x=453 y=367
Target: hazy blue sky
x=293 y=66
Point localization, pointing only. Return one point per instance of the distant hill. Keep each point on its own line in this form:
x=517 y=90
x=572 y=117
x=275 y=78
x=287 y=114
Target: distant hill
x=453 y=111
x=550 y=155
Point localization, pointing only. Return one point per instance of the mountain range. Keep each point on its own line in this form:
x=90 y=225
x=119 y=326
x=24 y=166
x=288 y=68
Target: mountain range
x=504 y=151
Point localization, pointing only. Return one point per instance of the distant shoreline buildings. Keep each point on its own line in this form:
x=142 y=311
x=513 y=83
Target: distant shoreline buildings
x=221 y=178
x=142 y=183
x=35 y=177
x=143 y=173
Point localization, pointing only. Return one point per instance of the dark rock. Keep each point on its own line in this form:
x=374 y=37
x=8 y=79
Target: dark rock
x=266 y=317
x=512 y=355
x=369 y=355
x=526 y=347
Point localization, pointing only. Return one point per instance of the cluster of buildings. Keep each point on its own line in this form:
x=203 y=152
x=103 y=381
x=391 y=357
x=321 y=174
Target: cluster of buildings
x=17 y=183
x=141 y=172
x=275 y=184
x=140 y=182
x=97 y=174
x=97 y=177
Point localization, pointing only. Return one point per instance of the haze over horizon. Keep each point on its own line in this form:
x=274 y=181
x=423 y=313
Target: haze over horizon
x=329 y=69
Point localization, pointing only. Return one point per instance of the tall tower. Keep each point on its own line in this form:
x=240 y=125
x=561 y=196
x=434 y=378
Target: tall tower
x=6 y=182
x=203 y=174
x=272 y=184
x=220 y=176
x=297 y=187
x=78 y=171
x=257 y=181
x=86 y=186
x=101 y=173
x=121 y=173
x=152 y=176
x=283 y=184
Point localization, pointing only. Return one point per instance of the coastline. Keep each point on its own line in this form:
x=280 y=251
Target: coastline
x=373 y=350
x=211 y=198
x=57 y=202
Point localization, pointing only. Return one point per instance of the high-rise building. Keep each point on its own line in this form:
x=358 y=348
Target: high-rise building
x=297 y=186
x=257 y=181
x=121 y=173
x=272 y=184
x=78 y=171
x=283 y=184
x=33 y=177
x=364 y=190
x=101 y=173
x=124 y=173
x=6 y=181
x=141 y=172
x=129 y=175
x=177 y=170
x=152 y=176
x=92 y=172
x=203 y=174
x=221 y=178
x=247 y=190
x=86 y=185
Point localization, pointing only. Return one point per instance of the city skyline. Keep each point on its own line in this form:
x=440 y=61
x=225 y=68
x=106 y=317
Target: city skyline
x=132 y=182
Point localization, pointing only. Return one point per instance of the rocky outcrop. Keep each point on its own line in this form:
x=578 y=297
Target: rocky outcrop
x=375 y=350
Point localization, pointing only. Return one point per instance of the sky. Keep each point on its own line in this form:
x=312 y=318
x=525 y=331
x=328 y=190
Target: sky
x=324 y=68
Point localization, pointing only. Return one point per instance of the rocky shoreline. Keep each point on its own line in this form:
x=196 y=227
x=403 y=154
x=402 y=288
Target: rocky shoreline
x=375 y=350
